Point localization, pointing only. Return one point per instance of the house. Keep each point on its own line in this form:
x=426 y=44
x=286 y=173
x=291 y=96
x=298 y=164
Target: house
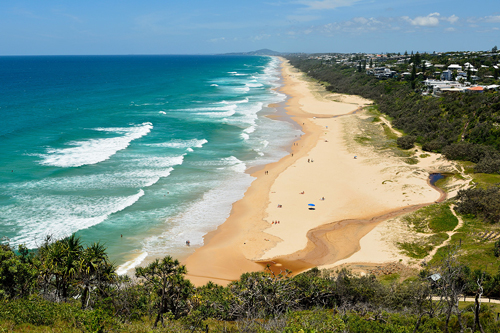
x=455 y=67
x=446 y=75
x=476 y=89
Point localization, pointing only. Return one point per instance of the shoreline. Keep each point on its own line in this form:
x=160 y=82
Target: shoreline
x=321 y=165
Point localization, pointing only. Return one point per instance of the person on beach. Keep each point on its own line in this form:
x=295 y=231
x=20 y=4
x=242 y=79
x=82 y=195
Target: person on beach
x=188 y=243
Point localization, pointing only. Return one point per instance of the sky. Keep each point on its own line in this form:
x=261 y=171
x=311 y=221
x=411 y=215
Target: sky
x=98 y=27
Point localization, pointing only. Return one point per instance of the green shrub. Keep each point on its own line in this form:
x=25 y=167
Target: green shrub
x=406 y=142
x=314 y=322
x=37 y=311
x=496 y=248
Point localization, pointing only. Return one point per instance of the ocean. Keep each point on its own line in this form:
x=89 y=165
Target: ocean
x=140 y=153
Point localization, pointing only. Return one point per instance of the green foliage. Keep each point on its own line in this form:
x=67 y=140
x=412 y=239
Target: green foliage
x=406 y=142
x=411 y=160
x=165 y=277
x=433 y=218
x=314 y=322
x=442 y=219
x=484 y=203
x=496 y=248
x=263 y=294
x=17 y=272
x=421 y=248
x=37 y=311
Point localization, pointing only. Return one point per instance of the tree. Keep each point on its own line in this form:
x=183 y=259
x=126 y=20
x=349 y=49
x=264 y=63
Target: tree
x=413 y=76
x=451 y=285
x=477 y=303
x=166 y=278
x=494 y=49
x=59 y=265
x=406 y=142
x=17 y=272
x=94 y=270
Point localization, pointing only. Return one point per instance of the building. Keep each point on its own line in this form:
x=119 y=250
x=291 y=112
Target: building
x=446 y=75
x=455 y=67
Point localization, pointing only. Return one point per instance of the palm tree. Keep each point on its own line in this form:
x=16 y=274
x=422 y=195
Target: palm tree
x=58 y=264
x=94 y=270
x=166 y=278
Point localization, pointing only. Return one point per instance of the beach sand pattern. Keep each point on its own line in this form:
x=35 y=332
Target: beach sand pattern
x=352 y=186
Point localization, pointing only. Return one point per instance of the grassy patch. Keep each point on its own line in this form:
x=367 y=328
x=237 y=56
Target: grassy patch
x=495 y=308
x=373 y=109
x=389 y=133
x=485 y=179
x=390 y=278
x=433 y=218
x=444 y=220
x=475 y=253
x=468 y=166
x=424 y=155
x=362 y=139
x=421 y=248
x=411 y=160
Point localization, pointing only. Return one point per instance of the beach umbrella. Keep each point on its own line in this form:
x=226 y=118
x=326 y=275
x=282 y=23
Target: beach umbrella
x=312 y=205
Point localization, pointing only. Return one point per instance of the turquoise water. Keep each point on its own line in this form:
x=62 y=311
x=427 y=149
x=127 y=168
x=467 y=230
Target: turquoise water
x=140 y=153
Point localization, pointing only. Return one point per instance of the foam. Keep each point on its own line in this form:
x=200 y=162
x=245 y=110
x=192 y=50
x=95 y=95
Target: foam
x=254 y=85
x=126 y=179
x=61 y=216
x=200 y=216
x=158 y=161
x=249 y=130
x=93 y=151
x=246 y=100
x=180 y=144
x=243 y=89
x=124 y=268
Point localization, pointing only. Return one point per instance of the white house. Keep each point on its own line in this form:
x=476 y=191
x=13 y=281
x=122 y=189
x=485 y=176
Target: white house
x=455 y=67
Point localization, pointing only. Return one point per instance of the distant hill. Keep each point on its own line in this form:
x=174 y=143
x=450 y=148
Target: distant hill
x=261 y=52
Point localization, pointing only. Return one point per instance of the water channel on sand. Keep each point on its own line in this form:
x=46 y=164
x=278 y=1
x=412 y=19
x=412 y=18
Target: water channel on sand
x=322 y=247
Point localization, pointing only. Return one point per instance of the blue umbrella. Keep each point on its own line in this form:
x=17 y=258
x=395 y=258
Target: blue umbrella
x=311 y=205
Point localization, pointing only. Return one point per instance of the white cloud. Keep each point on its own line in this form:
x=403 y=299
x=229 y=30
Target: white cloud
x=430 y=20
x=216 y=40
x=327 y=4
x=492 y=19
x=450 y=29
x=452 y=19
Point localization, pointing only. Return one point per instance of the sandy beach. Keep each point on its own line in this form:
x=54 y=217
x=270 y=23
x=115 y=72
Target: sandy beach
x=320 y=205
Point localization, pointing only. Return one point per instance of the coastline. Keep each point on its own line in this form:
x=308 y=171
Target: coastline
x=322 y=165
